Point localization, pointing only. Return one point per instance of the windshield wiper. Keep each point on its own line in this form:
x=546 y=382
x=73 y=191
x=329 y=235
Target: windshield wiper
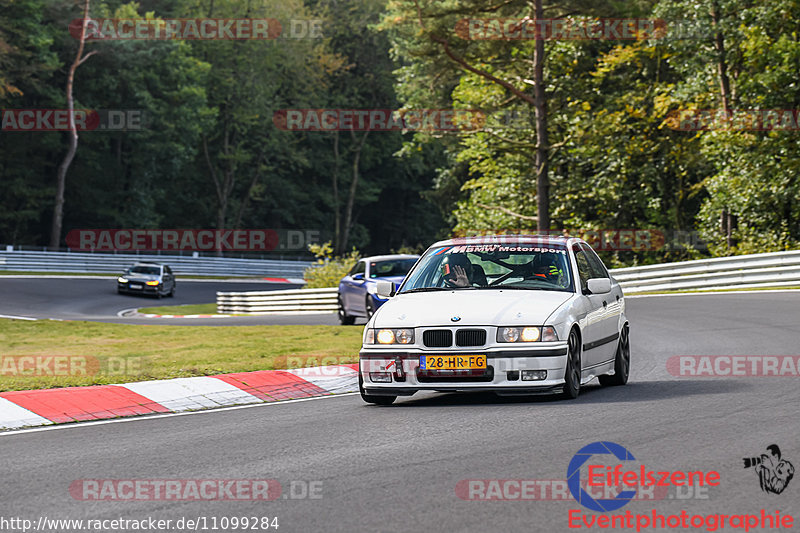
x=432 y=289
x=520 y=288
x=424 y=289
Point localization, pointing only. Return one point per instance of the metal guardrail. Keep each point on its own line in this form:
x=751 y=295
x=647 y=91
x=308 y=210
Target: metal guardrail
x=73 y=262
x=278 y=302
x=779 y=269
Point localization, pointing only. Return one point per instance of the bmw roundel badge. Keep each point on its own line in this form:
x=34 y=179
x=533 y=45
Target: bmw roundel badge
x=455 y=318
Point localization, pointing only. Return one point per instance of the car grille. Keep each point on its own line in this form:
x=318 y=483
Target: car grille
x=470 y=337
x=437 y=338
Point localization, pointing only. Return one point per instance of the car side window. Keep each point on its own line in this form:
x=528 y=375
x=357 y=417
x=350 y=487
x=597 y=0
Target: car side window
x=359 y=268
x=584 y=267
x=168 y=270
x=598 y=268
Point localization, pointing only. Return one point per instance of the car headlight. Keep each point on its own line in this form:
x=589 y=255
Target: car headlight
x=122 y=280
x=389 y=336
x=526 y=334
x=152 y=283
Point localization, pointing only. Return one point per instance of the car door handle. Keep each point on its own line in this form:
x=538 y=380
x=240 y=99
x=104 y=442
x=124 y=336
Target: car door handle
x=605 y=303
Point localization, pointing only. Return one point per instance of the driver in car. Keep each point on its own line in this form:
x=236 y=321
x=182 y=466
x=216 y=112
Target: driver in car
x=548 y=267
x=458 y=271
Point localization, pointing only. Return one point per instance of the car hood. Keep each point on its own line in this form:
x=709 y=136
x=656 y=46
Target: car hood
x=479 y=307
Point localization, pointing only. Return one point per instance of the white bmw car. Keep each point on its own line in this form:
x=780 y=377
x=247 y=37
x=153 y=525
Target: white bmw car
x=515 y=315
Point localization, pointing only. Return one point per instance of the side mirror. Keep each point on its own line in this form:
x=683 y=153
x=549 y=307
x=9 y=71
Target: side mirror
x=358 y=276
x=384 y=289
x=599 y=285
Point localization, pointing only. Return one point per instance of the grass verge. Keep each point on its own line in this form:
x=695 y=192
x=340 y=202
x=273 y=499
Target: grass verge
x=195 y=309
x=93 y=353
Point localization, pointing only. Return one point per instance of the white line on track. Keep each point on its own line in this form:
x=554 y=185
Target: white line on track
x=18 y=317
x=710 y=293
x=165 y=415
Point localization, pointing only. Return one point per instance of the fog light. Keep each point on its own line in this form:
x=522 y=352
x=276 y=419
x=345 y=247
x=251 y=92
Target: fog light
x=534 y=375
x=380 y=377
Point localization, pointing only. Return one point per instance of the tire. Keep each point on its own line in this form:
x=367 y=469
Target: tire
x=172 y=292
x=622 y=362
x=572 y=372
x=344 y=318
x=377 y=400
x=369 y=307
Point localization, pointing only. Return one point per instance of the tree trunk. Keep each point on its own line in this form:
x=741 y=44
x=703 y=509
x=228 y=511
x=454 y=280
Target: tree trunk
x=61 y=179
x=348 y=214
x=337 y=214
x=246 y=198
x=542 y=145
x=722 y=66
x=725 y=93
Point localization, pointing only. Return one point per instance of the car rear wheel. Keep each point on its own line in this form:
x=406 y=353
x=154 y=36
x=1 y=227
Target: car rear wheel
x=622 y=362
x=344 y=318
x=572 y=374
x=369 y=398
x=172 y=292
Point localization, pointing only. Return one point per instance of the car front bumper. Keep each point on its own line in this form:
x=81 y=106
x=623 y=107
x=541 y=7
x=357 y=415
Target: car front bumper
x=146 y=289
x=502 y=375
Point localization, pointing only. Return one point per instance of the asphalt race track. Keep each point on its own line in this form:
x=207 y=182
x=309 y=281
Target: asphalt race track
x=97 y=300
x=396 y=468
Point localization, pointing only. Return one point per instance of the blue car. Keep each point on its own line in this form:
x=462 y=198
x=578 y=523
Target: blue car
x=357 y=296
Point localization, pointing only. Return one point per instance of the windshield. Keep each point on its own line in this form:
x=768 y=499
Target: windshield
x=395 y=267
x=518 y=266
x=152 y=271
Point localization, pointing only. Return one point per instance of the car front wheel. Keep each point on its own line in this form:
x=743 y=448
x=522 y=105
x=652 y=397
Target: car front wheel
x=572 y=374
x=344 y=318
x=369 y=306
x=622 y=362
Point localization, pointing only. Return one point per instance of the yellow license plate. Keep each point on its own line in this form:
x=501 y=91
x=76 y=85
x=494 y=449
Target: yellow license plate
x=452 y=362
